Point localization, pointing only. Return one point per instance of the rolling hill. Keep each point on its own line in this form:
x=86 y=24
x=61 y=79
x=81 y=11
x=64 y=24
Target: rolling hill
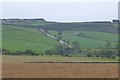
x=17 y=38
x=24 y=34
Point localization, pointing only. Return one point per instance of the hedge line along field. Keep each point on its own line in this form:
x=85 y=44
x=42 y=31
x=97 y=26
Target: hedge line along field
x=92 y=40
x=20 y=38
x=15 y=67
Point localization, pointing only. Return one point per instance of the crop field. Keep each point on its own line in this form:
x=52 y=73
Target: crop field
x=15 y=67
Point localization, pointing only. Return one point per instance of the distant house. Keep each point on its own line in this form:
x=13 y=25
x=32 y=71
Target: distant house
x=76 y=33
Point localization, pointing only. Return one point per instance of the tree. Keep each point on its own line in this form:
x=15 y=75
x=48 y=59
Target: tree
x=59 y=48
x=106 y=53
x=59 y=34
x=19 y=52
x=76 y=46
x=51 y=52
x=81 y=34
x=6 y=52
x=108 y=45
x=89 y=55
x=46 y=30
x=29 y=52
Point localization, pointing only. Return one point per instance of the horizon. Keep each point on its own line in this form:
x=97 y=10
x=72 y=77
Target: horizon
x=64 y=21
x=62 y=12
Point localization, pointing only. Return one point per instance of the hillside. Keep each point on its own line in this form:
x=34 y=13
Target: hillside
x=21 y=35
x=19 y=38
x=90 y=39
x=103 y=26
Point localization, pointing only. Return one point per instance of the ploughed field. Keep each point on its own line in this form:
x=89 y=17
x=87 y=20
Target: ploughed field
x=16 y=67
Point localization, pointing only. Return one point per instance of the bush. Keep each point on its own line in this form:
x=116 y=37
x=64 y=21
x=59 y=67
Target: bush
x=89 y=55
x=67 y=55
x=37 y=54
x=41 y=54
x=113 y=57
x=29 y=52
x=51 y=52
x=6 y=52
x=106 y=53
x=19 y=52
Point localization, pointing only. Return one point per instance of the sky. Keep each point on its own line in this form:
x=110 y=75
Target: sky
x=61 y=11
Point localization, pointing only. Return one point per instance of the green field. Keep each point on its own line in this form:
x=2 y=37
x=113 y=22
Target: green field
x=19 y=38
x=95 y=39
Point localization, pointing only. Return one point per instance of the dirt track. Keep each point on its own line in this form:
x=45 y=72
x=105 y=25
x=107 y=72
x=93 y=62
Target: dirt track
x=60 y=70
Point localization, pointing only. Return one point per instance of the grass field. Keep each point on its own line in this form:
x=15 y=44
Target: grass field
x=95 y=39
x=14 y=67
x=17 y=38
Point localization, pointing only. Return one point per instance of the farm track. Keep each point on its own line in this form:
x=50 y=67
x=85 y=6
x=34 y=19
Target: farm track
x=75 y=62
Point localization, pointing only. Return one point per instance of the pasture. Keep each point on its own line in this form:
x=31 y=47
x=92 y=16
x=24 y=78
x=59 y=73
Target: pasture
x=92 y=40
x=17 y=38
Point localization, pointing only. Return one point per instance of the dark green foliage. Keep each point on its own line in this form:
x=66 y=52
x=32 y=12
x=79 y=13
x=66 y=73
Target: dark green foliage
x=103 y=53
x=51 y=52
x=19 y=52
x=29 y=52
x=59 y=48
x=41 y=54
x=108 y=45
x=106 y=53
x=75 y=46
x=36 y=54
x=60 y=33
x=89 y=55
x=6 y=52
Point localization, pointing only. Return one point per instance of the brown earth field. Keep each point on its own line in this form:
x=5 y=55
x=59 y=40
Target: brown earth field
x=59 y=70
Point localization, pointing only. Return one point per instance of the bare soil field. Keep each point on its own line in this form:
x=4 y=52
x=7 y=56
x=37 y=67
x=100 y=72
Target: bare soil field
x=59 y=70
x=56 y=70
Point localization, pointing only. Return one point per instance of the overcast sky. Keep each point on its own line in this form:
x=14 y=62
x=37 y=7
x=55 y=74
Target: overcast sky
x=62 y=11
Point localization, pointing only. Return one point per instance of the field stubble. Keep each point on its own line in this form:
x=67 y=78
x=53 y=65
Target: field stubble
x=20 y=69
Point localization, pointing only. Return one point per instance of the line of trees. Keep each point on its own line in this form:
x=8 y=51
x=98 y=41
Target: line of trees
x=26 y=52
x=103 y=53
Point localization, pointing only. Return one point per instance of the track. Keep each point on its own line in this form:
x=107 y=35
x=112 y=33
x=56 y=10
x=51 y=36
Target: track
x=71 y=62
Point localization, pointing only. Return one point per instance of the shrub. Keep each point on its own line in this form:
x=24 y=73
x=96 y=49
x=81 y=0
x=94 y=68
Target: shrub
x=6 y=52
x=51 y=52
x=29 y=52
x=41 y=54
x=37 y=54
x=19 y=52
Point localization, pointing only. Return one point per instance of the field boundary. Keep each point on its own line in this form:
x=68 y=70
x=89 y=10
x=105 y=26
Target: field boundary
x=71 y=62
